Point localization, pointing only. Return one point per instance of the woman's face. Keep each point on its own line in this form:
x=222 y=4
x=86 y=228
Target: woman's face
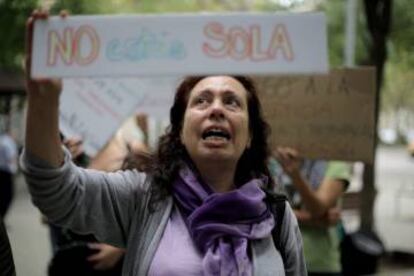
x=216 y=120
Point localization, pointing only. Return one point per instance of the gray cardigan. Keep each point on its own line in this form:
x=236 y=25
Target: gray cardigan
x=114 y=207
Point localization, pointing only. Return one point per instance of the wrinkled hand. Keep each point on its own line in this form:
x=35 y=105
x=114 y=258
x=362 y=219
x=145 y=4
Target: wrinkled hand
x=332 y=217
x=38 y=86
x=74 y=146
x=107 y=256
x=289 y=159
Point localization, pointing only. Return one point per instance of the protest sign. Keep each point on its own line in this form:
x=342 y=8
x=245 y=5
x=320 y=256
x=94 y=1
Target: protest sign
x=159 y=95
x=93 y=109
x=323 y=116
x=153 y=45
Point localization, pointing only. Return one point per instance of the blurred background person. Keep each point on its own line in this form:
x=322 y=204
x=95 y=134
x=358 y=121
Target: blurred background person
x=8 y=168
x=314 y=189
x=130 y=139
x=6 y=257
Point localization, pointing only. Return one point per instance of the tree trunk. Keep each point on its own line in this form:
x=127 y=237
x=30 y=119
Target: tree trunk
x=378 y=17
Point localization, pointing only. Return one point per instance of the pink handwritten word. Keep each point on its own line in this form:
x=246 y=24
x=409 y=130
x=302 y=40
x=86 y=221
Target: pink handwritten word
x=246 y=43
x=80 y=46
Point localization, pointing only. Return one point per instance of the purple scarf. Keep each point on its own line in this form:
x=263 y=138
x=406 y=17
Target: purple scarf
x=221 y=224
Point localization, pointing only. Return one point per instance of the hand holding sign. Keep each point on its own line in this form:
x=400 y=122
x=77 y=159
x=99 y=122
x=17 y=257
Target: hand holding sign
x=38 y=86
x=42 y=133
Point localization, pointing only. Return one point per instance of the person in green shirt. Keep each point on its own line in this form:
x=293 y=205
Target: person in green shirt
x=314 y=189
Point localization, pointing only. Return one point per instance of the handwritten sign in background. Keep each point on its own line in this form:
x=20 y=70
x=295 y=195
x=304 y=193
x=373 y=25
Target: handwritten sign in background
x=93 y=109
x=327 y=116
x=154 y=45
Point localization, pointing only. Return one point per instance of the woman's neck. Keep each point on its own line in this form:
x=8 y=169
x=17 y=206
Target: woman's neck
x=220 y=178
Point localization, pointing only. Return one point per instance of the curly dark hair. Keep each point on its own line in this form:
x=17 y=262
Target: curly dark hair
x=171 y=153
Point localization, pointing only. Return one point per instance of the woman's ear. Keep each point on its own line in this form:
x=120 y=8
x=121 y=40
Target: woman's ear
x=249 y=142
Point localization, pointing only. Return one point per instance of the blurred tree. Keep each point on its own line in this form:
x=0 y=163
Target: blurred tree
x=150 y=6
x=13 y=15
x=86 y=7
x=378 y=18
x=398 y=97
x=402 y=35
x=399 y=89
x=335 y=14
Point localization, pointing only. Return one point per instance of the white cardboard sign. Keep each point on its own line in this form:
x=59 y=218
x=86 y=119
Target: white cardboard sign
x=158 y=95
x=94 y=108
x=150 y=45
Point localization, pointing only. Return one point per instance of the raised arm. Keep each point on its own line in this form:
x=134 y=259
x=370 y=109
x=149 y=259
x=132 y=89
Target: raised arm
x=42 y=127
x=85 y=201
x=317 y=202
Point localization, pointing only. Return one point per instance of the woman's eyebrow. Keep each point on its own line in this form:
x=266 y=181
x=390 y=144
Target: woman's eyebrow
x=228 y=91
x=225 y=93
x=231 y=93
x=205 y=91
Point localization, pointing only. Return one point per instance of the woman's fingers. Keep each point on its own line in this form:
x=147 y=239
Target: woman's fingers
x=43 y=14
x=73 y=141
x=36 y=14
x=74 y=145
x=28 y=44
x=282 y=154
x=287 y=154
x=38 y=86
x=46 y=86
x=292 y=153
x=63 y=14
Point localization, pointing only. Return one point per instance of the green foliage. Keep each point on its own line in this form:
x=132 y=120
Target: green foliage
x=81 y=7
x=335 y=12
x=398 y=90
x=402 y=33
x=13 y=15
x=162 y=6
x=398 y=93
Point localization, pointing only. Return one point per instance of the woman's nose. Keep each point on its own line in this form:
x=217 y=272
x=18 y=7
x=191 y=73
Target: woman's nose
x=217 y=110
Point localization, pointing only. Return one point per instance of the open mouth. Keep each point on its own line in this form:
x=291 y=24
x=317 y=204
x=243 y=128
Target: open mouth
x=215 y=133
